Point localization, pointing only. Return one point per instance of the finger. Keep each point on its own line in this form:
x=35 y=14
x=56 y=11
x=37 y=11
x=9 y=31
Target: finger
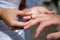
x=53 y=35
x=34 y=16
x=27 y=17
x=32 y=23
x=28 y=22
x=42 y=25
x=39 y=29
x=17 y=24
x=22 y=13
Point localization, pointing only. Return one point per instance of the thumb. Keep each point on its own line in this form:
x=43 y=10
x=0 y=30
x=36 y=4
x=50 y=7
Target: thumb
x=53 y=36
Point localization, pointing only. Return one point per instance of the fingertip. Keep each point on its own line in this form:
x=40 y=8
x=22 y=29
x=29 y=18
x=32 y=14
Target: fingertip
x=26 y=26
x=50 y=36
x=36 y=34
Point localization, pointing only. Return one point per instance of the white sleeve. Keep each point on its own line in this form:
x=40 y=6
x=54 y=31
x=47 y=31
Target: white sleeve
x=6 y=4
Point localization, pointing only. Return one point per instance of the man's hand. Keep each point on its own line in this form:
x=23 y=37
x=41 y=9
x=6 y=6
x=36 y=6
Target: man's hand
x=45 y=20
x=10 y=16
x=37 y=10
x=44 y=17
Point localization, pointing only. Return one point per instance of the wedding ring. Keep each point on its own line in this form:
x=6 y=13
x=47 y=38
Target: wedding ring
x=31 y=16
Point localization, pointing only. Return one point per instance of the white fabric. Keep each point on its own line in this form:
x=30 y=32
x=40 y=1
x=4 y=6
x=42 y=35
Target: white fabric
x=12 y=4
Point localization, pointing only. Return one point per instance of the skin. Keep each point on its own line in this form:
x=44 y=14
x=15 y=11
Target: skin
x=9 y=16
x=45 y=18
x=37 y=10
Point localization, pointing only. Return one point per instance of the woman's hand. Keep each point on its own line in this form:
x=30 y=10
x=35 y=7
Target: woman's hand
x=10 y=16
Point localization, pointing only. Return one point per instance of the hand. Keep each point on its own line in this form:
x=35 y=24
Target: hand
x=37 y=10
x=45 y=20
x=9 y=16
